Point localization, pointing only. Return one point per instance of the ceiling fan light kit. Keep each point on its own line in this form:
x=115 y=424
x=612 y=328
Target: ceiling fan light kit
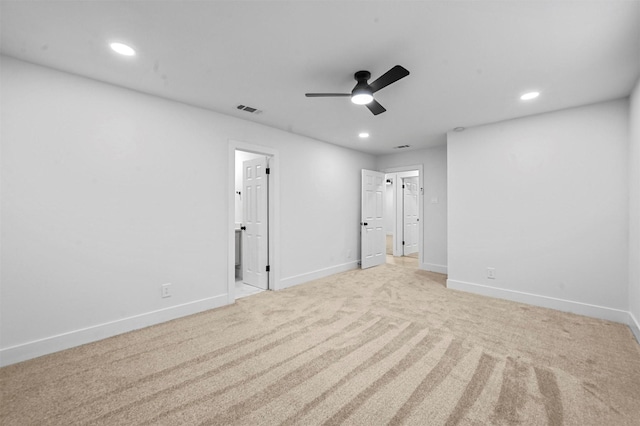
x=362 y=98
x=362 y=93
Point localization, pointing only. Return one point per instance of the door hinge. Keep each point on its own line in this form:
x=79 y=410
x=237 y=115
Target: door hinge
x=268 y=170
x=403 y=243
x=402 y=186
x=268 y=268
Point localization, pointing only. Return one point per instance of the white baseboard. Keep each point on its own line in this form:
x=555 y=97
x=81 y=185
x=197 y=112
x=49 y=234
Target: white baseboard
x=634 y=325
x=441 y=269
x=594 y=311
x=320 y=273
x=36 y=348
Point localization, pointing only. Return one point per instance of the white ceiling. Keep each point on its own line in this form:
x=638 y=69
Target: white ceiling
x=469 y=60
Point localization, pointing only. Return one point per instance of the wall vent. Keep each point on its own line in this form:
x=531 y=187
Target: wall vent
x=249 y=109
x=401 y=146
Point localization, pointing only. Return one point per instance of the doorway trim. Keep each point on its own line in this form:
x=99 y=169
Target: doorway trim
x=399 y=170
x=274 y=213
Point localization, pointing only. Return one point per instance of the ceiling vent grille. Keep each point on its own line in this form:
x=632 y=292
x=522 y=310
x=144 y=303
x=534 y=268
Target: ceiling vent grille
x=249 y=109
x=401 y=146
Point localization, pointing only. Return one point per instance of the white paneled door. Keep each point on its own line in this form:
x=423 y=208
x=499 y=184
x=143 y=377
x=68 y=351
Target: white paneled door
x=373 y=242
x=410 y=214
x=254 y=226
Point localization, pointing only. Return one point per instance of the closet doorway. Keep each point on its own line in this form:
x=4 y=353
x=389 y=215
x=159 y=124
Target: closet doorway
x=404 y=211
x=252 y=213
x=251 y=223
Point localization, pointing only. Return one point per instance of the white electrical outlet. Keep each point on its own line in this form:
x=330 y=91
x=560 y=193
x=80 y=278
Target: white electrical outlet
x=491 y=273
x=166 y=290
x=348 y=254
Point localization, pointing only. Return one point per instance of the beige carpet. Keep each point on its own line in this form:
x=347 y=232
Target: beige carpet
x=404 y=261
x=388 y=345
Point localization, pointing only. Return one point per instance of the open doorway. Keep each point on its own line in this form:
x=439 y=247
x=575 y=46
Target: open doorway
x=252 y=219
x=403 y=216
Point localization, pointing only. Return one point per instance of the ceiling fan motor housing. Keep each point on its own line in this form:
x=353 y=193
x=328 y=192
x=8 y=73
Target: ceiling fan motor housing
x=362 y=88
x=362 y=75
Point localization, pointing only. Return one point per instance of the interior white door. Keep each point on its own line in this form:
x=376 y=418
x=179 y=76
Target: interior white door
x=410 y=214
x=255 y=223
x=373 y=237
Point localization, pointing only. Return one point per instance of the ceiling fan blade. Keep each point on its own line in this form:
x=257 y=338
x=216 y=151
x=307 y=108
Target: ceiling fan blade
x=326 y=95
x=391 y=76
x=375 y=107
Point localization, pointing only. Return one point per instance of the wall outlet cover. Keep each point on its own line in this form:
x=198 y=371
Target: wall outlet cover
x=166 y=290
x=491 y=273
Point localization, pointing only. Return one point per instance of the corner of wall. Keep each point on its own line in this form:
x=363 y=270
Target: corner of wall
x=634 y=325
x=634 y=210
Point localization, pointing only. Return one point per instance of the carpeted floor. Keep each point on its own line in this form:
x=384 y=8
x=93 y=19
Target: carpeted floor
x=388 y=345
x=404 y=261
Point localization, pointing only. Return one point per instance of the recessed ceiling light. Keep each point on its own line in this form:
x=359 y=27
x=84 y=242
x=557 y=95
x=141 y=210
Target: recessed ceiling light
x=363 y=135
x=529 y=96
x=122 y=49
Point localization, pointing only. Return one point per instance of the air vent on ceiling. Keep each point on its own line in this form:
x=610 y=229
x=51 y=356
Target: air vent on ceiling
x=401 y=146
x=249 y=109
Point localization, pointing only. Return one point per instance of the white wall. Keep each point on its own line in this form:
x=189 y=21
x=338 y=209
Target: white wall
x=434 y=162
x=321 y=191
x=108 y=193
x=544 y=201
x=634 y=211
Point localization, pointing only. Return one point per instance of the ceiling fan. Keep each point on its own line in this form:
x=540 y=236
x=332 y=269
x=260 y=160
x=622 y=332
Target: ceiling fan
x=362 y=93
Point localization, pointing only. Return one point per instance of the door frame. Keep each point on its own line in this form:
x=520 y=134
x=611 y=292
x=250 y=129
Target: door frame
x=401 y=172
x=274 y=213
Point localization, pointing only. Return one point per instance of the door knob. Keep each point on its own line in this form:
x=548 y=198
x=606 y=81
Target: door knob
x=243 y=228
